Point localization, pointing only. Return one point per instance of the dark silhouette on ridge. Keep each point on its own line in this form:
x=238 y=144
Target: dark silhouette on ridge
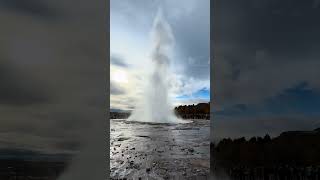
x=199 y=111
x=291 y=155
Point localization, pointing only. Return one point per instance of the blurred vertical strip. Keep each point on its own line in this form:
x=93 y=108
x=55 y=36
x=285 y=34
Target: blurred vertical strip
x=212 y=89
x=54 y=73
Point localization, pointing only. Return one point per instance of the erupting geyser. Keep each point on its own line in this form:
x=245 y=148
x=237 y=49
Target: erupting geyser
x=155 y=106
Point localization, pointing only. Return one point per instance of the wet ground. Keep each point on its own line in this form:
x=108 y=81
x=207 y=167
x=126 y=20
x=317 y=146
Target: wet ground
x=159 y=151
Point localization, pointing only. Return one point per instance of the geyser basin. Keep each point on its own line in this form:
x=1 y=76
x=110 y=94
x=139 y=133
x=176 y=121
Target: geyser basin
x=175 y=121
x=159 y=151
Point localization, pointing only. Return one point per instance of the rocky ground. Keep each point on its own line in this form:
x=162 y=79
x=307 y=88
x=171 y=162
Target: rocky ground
x=159 y=151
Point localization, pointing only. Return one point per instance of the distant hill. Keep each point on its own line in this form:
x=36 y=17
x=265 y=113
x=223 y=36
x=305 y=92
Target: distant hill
x=199 y=111
x=299 y=148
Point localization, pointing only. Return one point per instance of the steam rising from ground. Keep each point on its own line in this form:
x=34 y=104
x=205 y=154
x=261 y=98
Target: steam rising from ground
x=155 y=105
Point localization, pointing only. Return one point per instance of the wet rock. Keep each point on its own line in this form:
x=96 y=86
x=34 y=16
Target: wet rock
x=148 y=170
x=123 y=138
x=144 y=136
x=162 y=149
x=191 y=150
x=120 y=161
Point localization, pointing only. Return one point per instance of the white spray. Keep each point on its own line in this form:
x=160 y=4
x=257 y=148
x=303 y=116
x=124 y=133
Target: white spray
x=155 y=104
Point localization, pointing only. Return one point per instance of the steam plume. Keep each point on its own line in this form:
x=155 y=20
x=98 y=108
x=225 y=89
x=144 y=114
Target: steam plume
x=155 y=105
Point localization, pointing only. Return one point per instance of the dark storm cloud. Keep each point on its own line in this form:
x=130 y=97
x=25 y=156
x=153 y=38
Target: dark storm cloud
x=316 y=3
x=36 y=8
x=69 y=145
x=193 y=40
x=249 y=127
x=263 y=47
x=17 y=90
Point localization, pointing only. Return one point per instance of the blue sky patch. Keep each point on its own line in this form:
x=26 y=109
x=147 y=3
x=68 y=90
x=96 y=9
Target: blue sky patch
x=203 y=94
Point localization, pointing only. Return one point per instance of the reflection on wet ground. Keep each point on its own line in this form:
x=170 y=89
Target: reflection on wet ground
x=159 y=151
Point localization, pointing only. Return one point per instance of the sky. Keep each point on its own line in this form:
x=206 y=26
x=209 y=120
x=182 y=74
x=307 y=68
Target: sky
x=266 y=67
x=130 y=45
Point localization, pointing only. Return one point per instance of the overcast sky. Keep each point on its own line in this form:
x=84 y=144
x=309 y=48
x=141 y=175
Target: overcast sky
x=130 y=44
x=266 y=66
